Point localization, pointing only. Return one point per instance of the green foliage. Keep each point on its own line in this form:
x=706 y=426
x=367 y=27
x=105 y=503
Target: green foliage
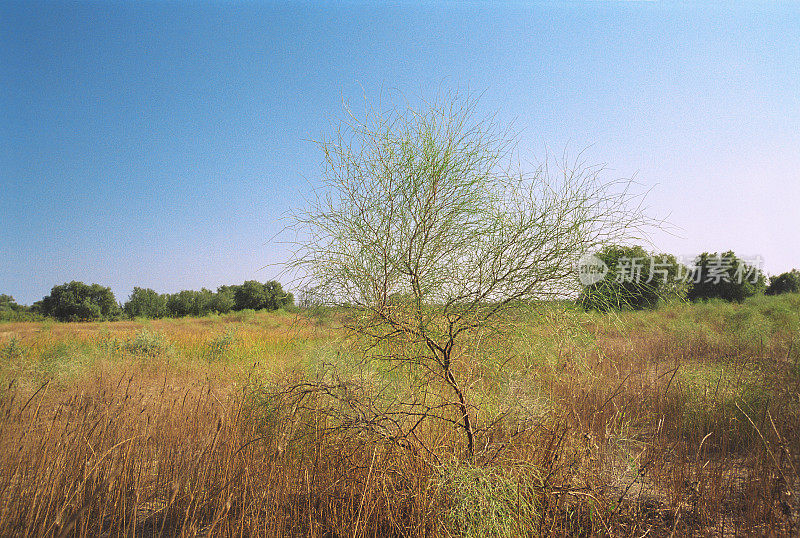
x=202 y=303
x=76 y=301
x=249 y=295
x=12 y=350
x=145 y=303
x=221 y=345
x=431 y=240
x=486 y=501
x=729 y=403
x=20 y=316
x=635 y=280
x=147 y=343
x=180 y=304
x=724 y=276
x=190 y=303
x=784 y=283
x=8 y=304
x=223 y=300
x=11 y=311
x=257 y=296
x=276 y=297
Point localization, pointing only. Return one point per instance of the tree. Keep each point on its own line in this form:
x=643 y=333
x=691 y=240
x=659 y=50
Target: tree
x=76 y=301
x=429 y=242
x=202 y=303
x=223 y=300
x=276 y=297
x=11 y=311
x=257 y=296
x=8 y=304
x=250 y=295
x=784 y=283
x=634 y=279
x=724 y=276
x=146 y=303
x=181 y=304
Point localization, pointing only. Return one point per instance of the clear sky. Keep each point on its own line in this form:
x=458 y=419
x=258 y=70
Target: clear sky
x=158 y=144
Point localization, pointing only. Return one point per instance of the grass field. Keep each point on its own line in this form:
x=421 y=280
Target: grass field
x=679 y=421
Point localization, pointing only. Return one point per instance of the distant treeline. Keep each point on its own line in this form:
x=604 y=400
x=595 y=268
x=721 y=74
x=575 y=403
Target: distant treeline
x=629 y=277
x=77 y=301
x=632 y=278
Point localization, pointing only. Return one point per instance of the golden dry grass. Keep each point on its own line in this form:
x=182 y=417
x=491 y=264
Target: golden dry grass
x=671 y=422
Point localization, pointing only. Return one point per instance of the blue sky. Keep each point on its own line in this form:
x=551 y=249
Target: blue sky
x=158 y=144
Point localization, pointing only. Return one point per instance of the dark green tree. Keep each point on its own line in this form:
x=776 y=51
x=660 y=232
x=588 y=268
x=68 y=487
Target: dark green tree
x=11 y=311
x=180 y=304
x=76 y=301
x=190 y=303
x=275 y=296
x=8 y=304
x=251 y=295
x=784 y=283
x=223 y=301
x=257 y=296
x=635 y=280
x=146 y=303
x=202 y=302
x=724 y=276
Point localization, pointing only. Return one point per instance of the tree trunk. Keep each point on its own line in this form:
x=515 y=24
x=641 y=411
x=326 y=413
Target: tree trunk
x=462 y=406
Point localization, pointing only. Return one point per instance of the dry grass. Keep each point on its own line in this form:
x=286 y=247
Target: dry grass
x=680 y=421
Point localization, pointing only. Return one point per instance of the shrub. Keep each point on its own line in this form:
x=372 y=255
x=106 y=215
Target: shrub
x=257 y=296
x=430 y=240
x=784 y=283
x=220 y=345
x=76 y=301
x=635 y=280
x=223 y=300
x=487 y=502
x=20 y=315
x=146 y=303
x=180 y=304
x=147 y=343
x=12 y=350
x=724 y=276
x=8 y=304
